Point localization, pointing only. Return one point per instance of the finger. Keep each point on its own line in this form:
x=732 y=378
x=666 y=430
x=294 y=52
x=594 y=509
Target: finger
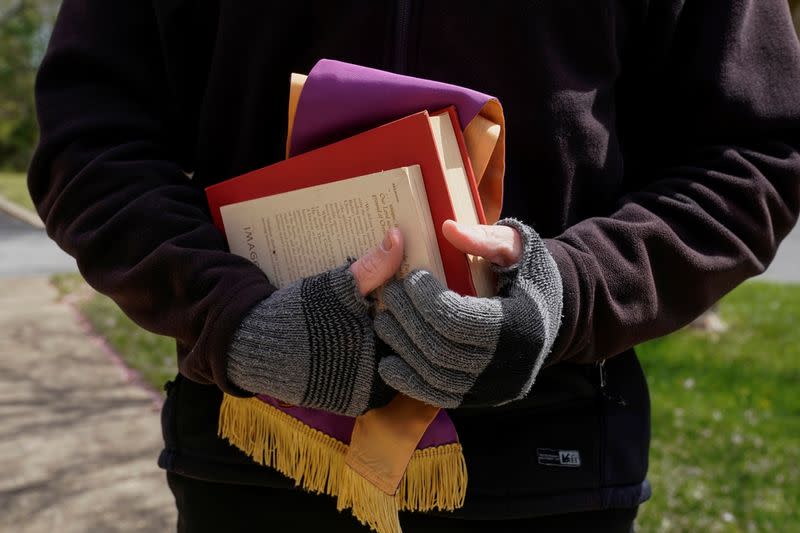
x=466 y=354
x=448 y=380
x=501 y=245
x=379 y=264
x=453 y=316
x=402 y=378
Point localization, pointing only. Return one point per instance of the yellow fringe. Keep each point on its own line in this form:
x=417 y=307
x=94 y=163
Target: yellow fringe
x=270 y=437
x=370 y=505
x=436 y=478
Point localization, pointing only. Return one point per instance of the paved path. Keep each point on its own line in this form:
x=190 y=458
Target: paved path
x=78 y=444
x=26 y=251
x=786 y=266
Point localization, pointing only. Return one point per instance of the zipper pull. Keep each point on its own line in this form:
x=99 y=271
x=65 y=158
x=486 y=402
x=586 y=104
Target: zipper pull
x=602 y=367
x=608 y=395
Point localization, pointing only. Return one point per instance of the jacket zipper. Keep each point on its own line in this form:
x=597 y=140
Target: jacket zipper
x=401 y=36
x=602 y=412
x=607 y=394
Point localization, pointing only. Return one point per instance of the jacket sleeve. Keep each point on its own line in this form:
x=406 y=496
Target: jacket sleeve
x=106 y=180
x=712 y=202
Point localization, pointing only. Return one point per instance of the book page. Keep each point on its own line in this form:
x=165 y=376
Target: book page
x=461 y=198
x=420 y=196
x=308 y=231
x=450 y=156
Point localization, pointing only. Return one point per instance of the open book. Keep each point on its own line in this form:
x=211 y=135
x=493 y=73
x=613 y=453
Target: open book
x=306 y=214
x=303 y=232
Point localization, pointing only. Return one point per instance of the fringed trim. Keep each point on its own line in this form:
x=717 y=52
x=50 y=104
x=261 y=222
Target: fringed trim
x=369 y=504
x=314 y=460
x=436 y=478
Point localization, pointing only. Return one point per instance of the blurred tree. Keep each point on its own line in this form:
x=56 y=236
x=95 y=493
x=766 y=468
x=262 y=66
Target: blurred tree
x=24 y=29
x=796 y=14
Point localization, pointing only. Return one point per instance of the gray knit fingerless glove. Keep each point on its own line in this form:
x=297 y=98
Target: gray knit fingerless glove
x=454 y=350
x=311 y=344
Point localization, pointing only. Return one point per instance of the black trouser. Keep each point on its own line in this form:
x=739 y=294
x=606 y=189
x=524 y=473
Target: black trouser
x=220 y=507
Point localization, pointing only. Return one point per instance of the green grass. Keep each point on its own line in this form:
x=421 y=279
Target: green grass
x=14 y=188
x=725 y=453
x=69 y=284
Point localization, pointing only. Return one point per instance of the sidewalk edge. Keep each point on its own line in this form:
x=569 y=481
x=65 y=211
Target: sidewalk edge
x=132 y=376
x=20 y=213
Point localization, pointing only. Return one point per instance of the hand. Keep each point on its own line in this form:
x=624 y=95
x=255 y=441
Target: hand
x=454 y=350
x=380 y=264
x=312 y=343
x=499 y=244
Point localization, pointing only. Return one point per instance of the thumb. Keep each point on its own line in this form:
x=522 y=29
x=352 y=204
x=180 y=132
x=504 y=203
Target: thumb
x=379 y=264
x=501 y=245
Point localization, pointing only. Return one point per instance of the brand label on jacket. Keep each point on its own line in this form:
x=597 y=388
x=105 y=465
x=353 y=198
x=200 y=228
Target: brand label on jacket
x=550 y=457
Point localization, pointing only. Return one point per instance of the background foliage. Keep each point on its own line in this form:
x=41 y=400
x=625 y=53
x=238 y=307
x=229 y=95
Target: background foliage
x=24 y=28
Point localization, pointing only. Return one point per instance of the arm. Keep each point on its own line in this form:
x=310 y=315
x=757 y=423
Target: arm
x=710 y=205
x=107 y=181
x=710 y=215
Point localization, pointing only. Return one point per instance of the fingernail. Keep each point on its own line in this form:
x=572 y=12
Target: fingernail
x=388 y=242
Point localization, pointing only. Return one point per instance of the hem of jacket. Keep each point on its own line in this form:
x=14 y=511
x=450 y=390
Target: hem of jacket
x=478 y=506
x=517 y=506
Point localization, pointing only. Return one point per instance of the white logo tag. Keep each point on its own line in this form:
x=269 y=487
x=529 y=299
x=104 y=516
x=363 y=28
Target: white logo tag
x=550 y=457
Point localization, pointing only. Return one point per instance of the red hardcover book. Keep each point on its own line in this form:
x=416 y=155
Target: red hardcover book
x=402 y=143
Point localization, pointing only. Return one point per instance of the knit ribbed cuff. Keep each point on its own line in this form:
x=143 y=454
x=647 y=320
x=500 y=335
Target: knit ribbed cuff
x=310 y=343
